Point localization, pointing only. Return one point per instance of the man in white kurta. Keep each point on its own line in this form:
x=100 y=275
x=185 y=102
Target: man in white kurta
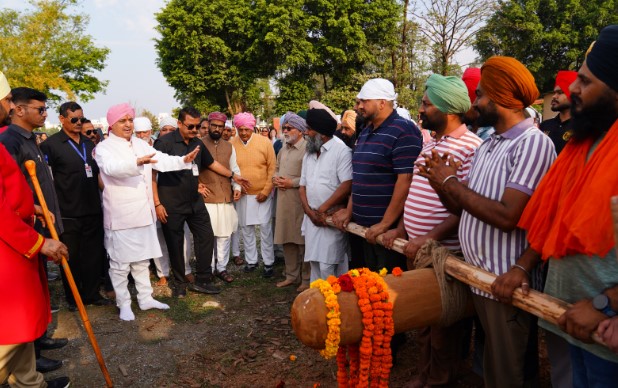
x=325 y=184
x=129 y=217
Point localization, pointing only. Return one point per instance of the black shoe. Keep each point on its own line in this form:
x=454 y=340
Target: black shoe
x=54 y=308
x=46 y=343
x=72 y=307
x=59 y=382
x=268 y=271
x=101 y=302
x=44 y=364
x=250 y=267
x=204 y=287
x=179 y=292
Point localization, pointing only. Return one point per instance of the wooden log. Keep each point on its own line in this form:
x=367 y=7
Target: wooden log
x=416 y=303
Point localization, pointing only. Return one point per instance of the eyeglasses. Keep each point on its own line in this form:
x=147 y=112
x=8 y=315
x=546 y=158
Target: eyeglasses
x=215 y=126
x=191 y=127
x=264 y=130
x=76 y=119
x=90 y=132
x=41 y=109
x=287 y=128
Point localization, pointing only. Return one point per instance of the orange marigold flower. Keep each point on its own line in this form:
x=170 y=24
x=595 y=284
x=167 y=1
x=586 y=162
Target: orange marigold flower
x=397 y=271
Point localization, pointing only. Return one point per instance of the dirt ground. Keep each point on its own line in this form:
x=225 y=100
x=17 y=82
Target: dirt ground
x=239 y=338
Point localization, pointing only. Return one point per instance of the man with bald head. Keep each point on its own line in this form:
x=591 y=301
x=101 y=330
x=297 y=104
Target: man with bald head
x=505 y=172
x=425 y=217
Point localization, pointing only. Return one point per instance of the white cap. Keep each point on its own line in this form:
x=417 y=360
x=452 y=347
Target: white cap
x=228 y=124
x=168 y=121
x=377 y=89
x=142 y=124
x=5 y=89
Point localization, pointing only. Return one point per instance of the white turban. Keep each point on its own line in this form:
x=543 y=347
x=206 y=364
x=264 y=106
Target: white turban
x=168 y=121
x=314 y=104
x=5 y=89
x=228 y=124
x=377 y=89
x=142 y=124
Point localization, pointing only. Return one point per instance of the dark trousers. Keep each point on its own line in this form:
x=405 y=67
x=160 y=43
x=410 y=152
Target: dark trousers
x=84 y=238
x=203 y=242
x=377 y=257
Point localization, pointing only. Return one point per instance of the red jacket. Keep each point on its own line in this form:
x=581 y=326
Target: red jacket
x=24 y=297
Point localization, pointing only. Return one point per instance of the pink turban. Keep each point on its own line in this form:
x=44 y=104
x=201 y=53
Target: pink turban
x=217 y=116
x=244 y=119
x=117 y=112
x=471 y=78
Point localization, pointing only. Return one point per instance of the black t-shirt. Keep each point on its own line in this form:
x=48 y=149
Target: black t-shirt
x=178 y=189
x=78 y=194
x=558 y=131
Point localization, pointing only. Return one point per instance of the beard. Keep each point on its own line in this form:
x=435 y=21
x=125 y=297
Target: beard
x=348 y=140
x=290 y=139
x=488 y=117
x=214 y=135
x=314 y=144
x=593 y=120
x=436 y=123
x=561 y=107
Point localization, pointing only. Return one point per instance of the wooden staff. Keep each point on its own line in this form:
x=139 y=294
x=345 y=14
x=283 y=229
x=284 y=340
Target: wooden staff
x=614 y=206
x=31 y=167
x=537 y=303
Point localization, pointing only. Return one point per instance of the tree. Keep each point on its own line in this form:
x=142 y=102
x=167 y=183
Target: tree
x=48 y=49
x=450 y=26
x=545 y=35
x=154 y=120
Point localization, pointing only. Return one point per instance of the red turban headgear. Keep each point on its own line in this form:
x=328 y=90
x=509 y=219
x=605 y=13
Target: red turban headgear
x=471 y=78
x=564 y=79
x=508 y=83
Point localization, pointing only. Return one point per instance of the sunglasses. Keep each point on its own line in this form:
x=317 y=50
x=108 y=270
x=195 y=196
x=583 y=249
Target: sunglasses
x=264 y=130
x=76 y=119
x=40 y=109
x=91 y=132
x=287 y=128
x=191 y=127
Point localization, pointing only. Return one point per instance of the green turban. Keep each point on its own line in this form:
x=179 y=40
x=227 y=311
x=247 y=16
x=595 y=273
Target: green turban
x=448 y=94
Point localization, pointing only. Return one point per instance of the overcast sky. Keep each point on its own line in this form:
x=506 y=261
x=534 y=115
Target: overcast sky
x=126 y=27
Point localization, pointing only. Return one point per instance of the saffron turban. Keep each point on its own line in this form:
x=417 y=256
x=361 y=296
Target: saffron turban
x=508 y=83
x=603 y=57
x=471 y=78
x=313 y=104
x=142 y=124
x=244 y=119
x=321 y=121
x=5 y=89
x=117 y=112
x=377 y=89
x=217 y=116
x=448 y=94
x=349 y=118
x=168 y=121
x=294 y=121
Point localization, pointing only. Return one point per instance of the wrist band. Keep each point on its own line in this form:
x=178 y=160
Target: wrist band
x=449 y=177
x=521 y=268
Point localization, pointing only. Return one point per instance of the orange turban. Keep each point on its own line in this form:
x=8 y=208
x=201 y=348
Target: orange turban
x=349 y=117
x=508 y=83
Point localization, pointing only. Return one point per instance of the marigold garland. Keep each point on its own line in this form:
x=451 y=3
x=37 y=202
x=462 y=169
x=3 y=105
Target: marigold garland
x=333 y=317
x=370 y=361
x=397 y=271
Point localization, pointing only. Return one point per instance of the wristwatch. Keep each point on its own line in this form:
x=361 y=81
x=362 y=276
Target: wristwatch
x=232 y=176
x=601 y=303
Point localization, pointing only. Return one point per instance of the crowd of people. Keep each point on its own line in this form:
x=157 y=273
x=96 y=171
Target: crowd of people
x=525 y=201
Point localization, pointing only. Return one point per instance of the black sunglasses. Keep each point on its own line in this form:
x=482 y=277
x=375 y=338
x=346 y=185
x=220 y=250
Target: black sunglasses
x=287 y=128
x=40 y=109
x=191 y=127
x=90 y=132
x=76 y=119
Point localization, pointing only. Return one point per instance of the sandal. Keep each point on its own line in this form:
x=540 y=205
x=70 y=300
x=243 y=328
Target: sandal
x=238 y=260
x=225 y=276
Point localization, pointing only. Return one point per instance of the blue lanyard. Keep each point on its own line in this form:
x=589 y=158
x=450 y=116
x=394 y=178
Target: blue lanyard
x=81 y=154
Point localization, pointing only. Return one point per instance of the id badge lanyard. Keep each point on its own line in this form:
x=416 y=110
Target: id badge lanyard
x=83 y=156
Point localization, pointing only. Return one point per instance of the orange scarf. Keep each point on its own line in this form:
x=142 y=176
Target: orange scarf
x=569 y=213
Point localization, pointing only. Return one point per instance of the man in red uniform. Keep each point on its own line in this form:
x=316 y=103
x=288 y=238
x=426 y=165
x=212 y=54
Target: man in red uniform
x=24 y=298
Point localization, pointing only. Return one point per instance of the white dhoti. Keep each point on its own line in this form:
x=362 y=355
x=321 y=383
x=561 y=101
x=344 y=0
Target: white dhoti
x=252 y=213
x=224 y=222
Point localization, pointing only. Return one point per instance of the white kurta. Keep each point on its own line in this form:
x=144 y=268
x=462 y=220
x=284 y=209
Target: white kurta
x=223 y=216
x=321 y=177
x=252 y=212
x=128 y=206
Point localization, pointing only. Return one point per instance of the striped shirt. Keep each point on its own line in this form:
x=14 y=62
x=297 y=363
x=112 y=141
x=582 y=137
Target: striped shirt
x=380 y=155
x=423 y=209
x=516 y=159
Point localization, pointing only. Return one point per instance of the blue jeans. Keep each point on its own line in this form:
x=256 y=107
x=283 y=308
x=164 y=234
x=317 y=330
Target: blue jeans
x=591 y=371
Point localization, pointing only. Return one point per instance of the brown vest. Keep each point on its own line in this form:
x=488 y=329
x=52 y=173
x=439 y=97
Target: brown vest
x=220 y=186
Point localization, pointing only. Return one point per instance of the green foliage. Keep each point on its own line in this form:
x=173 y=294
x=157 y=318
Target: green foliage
x=545 y=35
x=154 y=120
x=48 y=49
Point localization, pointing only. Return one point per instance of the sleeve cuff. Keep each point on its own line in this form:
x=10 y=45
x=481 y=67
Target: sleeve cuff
x=36 y=247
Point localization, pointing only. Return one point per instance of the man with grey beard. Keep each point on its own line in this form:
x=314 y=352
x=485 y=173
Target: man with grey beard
x=325 y=185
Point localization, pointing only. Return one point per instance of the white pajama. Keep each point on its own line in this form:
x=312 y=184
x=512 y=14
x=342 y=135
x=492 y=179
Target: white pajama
x=119 y=274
